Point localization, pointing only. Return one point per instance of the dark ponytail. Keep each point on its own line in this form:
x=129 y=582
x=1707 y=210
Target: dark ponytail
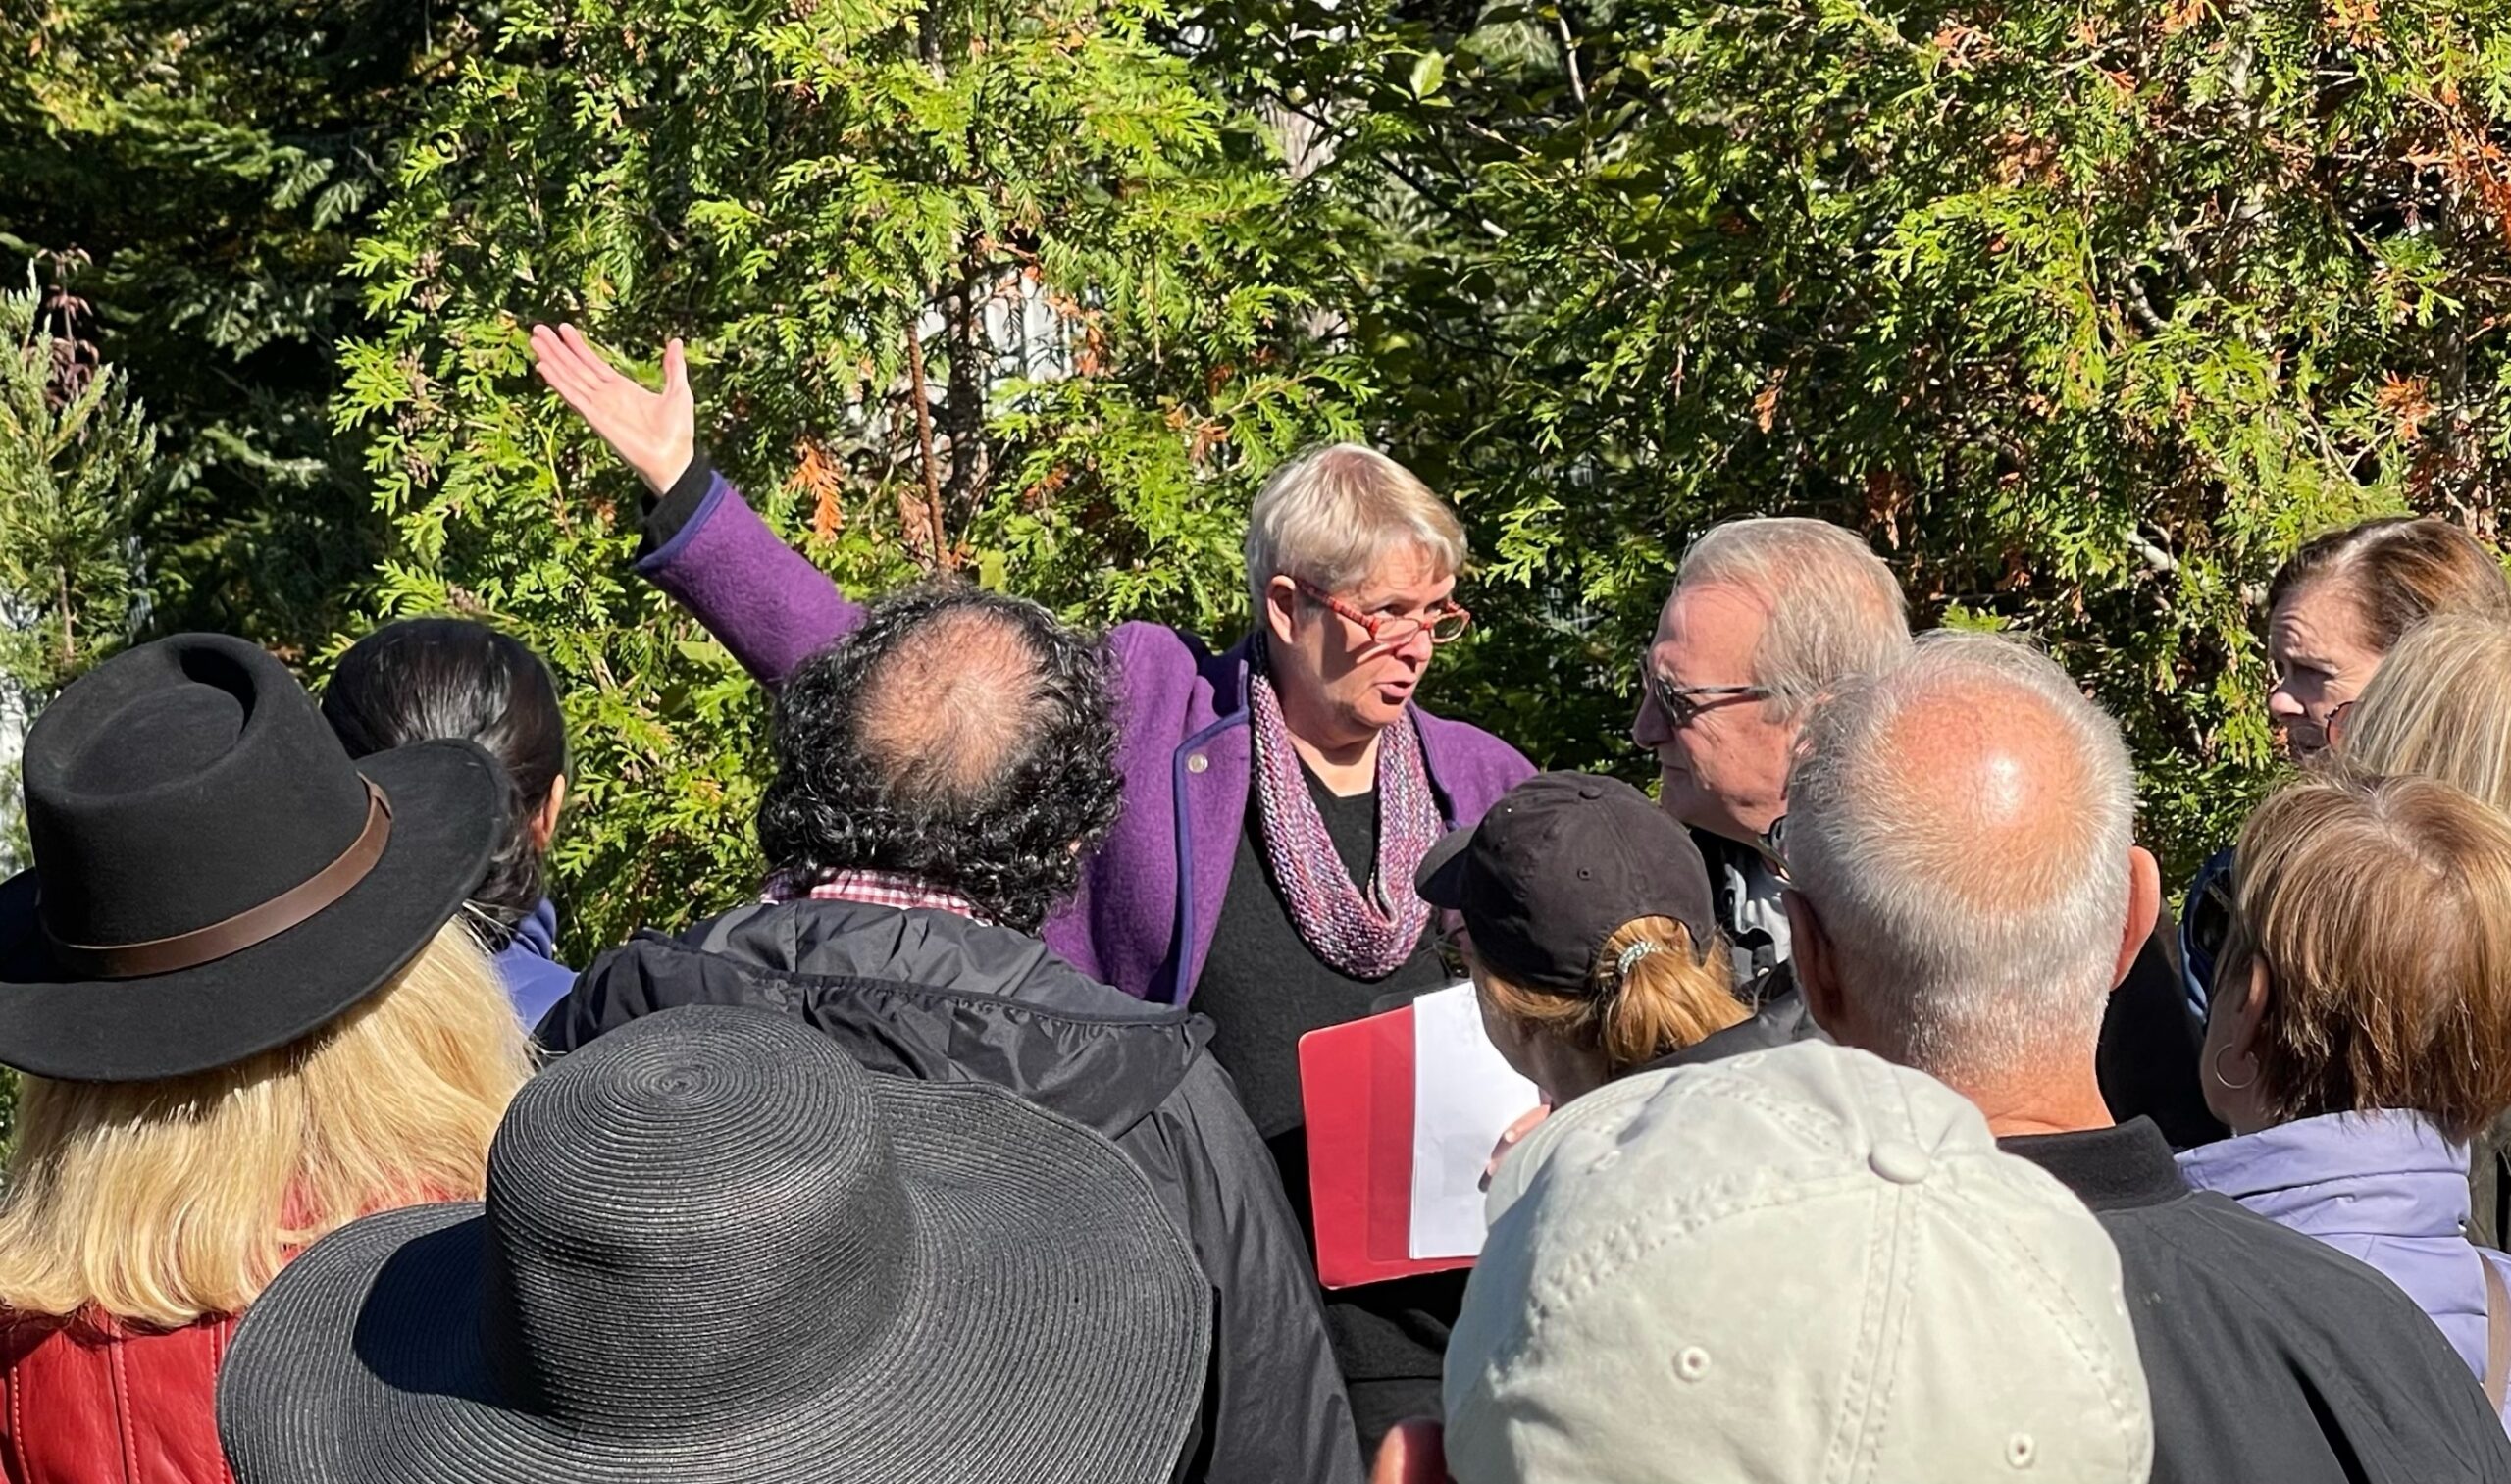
x=425 y=679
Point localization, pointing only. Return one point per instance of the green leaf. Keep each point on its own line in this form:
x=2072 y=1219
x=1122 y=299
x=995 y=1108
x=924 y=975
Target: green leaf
x=1429 y=71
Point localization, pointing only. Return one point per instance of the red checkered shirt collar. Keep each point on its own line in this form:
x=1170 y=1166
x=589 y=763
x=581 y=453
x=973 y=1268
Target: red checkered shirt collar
x=879 y=889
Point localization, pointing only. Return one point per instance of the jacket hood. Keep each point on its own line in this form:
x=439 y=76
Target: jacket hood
x=2390 y=1175
x=911 y=993
x=538 y=932
x=2386 y=1189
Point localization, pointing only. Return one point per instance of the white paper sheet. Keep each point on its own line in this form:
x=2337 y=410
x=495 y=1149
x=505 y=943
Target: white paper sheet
x=1464 y=1098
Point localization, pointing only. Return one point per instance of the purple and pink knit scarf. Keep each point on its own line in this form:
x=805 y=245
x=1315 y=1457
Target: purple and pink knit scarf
x=1366 y=935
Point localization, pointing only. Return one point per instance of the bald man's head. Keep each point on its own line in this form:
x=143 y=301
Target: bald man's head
x=1961 y=827
x=948 y=712
x=960 y=738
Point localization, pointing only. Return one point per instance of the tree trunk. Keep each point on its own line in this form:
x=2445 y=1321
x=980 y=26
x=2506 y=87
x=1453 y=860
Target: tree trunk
x=935 y=530
x=970 y=350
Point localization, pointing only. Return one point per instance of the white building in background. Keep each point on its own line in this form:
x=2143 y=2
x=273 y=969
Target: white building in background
x=13 y=802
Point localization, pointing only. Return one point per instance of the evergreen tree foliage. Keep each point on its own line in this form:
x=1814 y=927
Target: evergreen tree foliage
x=2085 y=313
x=967 y=286
x=197 y=171
x=76 y=457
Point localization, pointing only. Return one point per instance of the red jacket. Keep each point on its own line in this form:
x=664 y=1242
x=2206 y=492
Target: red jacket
x=84 y=1405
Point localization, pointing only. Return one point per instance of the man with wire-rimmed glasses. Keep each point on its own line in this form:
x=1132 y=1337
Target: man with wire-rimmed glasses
x=1768 y=617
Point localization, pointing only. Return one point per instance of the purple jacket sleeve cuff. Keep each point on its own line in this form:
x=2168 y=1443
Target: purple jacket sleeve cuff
x=758 y=596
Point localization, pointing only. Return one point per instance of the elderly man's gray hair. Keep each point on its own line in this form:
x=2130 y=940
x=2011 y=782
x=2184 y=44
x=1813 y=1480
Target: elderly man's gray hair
x=1835 y=609
x=1962 y=825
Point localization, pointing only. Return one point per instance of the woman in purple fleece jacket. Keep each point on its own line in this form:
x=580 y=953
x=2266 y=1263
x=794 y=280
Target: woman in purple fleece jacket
x=1278 y=795
x=2361 y=1034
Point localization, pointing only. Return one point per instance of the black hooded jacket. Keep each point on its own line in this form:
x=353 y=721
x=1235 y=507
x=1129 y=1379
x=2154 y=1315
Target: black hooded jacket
x=928 y=995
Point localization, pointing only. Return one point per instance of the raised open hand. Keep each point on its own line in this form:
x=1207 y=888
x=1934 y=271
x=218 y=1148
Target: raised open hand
x=655 y=432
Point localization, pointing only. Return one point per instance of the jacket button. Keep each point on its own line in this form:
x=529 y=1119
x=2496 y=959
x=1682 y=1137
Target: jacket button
x=1195 y=762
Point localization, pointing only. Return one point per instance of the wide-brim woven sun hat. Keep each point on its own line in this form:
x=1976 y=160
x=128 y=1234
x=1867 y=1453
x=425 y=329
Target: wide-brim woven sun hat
x=715 y=1250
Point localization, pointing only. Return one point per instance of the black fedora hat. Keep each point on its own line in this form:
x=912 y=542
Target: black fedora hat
x=716 y=1251
x=213 y=876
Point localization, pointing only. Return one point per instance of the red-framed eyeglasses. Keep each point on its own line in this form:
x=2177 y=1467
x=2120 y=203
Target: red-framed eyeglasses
x=1445 y=623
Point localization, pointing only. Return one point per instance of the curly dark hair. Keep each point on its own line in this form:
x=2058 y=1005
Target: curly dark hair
x=959 y=737
x=421 y=679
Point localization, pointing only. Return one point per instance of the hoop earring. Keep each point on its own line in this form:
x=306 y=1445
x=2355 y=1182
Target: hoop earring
x=2216 y=1066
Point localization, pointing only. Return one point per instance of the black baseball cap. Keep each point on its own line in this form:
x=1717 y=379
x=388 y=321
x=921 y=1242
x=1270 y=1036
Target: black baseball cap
x=1560 y=863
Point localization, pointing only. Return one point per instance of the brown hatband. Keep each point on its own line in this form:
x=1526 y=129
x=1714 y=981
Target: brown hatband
x=187 y=950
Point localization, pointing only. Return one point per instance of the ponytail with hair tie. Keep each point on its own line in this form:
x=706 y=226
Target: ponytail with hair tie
x=1661 y=996
x=1650 y=994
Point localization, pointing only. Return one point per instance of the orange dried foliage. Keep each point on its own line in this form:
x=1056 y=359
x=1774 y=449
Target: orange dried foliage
x=2357 y=23
x=2025 y=157
x=2474 y=162
x=1208 y=436
x=1039 y=493
x=1964 y=45
x=2408 y=401
x=2017 y=574
x=821 y=478
x=1092 y=358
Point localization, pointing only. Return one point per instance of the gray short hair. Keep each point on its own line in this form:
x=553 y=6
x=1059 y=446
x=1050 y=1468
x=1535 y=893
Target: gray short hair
x=1331 y=514
x=1835 y=609
x=1975 y=961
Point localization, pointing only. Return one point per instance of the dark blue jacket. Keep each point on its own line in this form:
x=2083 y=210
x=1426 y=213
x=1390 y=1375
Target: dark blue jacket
x=534 y=978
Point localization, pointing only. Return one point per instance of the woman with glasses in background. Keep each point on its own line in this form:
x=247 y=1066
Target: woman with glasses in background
x=2440 y=708
x=1279 y=795
x=2333 y=614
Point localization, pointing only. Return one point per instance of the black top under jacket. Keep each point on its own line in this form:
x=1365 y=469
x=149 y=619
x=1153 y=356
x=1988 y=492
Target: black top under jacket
x=1264 y=988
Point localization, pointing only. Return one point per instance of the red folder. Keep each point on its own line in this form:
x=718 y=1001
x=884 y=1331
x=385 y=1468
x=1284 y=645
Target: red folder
x=1356 y=1084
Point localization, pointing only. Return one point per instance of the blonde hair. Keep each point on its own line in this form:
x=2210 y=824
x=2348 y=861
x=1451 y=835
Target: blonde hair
x=1667 y=1001
x=2382 y=907
x=1836 y=611
x=165 y=1203
x=2439 y=707
x=1330 y=516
